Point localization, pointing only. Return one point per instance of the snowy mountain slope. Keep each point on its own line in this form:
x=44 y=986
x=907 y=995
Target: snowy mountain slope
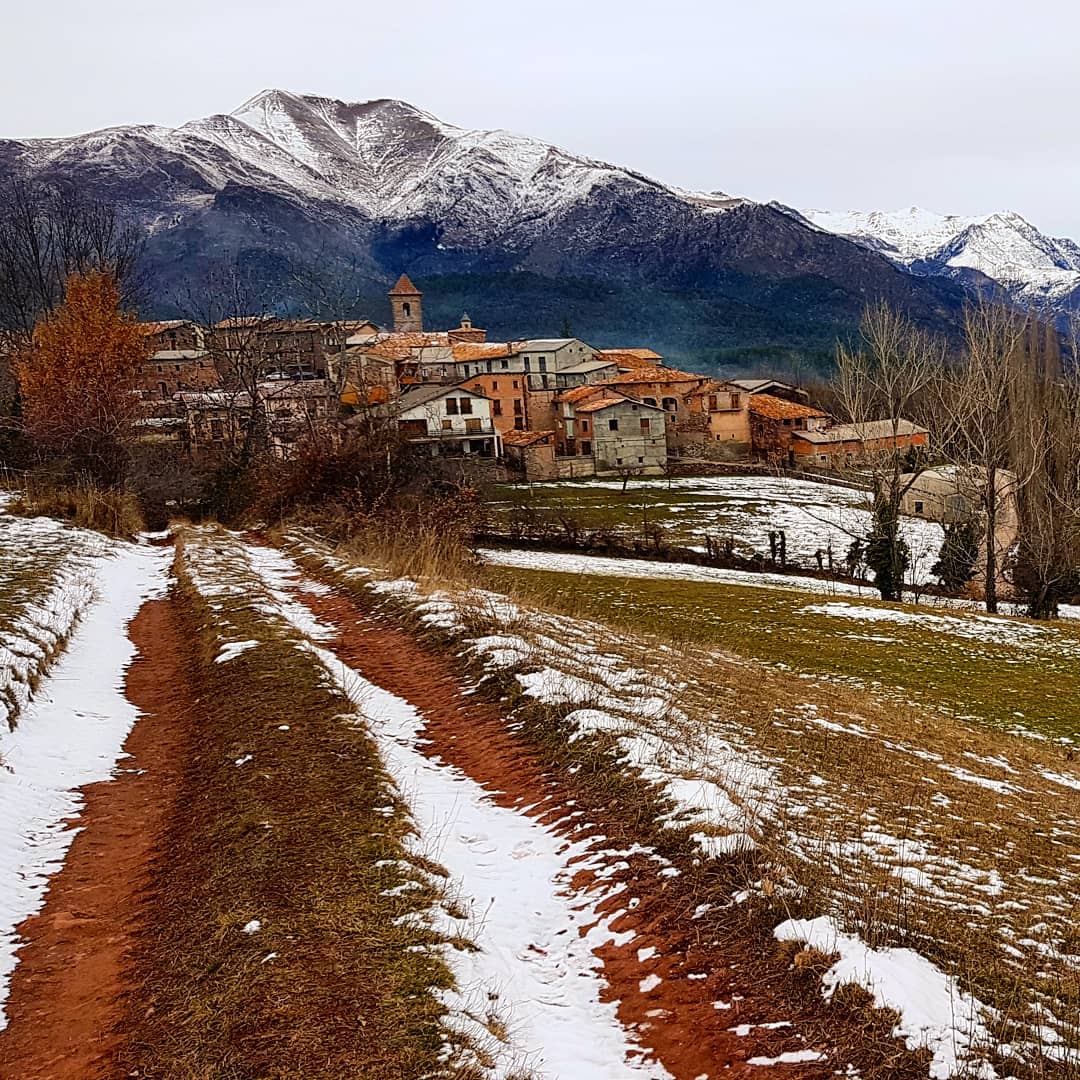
x=1006 y=247
x=373 y=188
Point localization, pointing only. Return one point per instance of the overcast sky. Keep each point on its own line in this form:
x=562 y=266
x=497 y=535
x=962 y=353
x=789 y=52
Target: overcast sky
x=962 y=106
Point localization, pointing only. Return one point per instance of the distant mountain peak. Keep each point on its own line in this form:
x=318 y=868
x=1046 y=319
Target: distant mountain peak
x=1003 y=246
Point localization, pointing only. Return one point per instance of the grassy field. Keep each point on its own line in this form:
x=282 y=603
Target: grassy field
x=860 y=767
x=1011 y=673
x=745 y=508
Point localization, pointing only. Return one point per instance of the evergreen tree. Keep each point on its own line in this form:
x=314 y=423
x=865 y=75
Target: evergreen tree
x=955 y=565
x=887 y=554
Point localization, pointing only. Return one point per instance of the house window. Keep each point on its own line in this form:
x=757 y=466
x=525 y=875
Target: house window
x=527 y=364
x=586 y=448
x=543 y=365
x=787 y=423
x=494 y=384
x=644 y=425
x=465 y=404
x=613 y=425
x=505 y=364
x=406 y=309
x=640 y=460
x=517 y=406
x=451 y=406
x=515 y=384
x=584 y=425
x=649 y=400
x=519 y=423
x=714 y=405
x=798 y=423
x=735 y=398
x=918 y=507
x=671 y=404
x=496 y=408
x=217 y=429
x=447 y=425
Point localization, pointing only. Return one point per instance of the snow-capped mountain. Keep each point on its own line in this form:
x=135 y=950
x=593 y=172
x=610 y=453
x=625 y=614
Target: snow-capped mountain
x=1031 y=266
x=375 y=188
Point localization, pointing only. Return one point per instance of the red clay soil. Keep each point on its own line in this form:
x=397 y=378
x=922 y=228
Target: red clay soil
x=676 y=1022
x=71 y=988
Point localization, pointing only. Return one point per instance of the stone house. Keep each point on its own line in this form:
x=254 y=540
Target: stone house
x=774 y=388
x=845 y=444
x=294 y=348
x=715 y=422
x=451 y=420
x=660 y=386
x=178 y=360
x=951 y=493
x=295 y=409
x=532 y=453
x=216 y=420
x=543 y=358
x=773 y=423
x=625 y=434
x=508 y=397
x=612 y=429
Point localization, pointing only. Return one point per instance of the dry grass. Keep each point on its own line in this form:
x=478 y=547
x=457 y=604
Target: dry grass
x=914 y=827
x=83 y=503
x=290 y=819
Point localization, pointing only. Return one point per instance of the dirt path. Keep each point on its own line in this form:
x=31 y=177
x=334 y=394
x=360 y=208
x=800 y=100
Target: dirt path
x=688 y=1015
x=71 y=989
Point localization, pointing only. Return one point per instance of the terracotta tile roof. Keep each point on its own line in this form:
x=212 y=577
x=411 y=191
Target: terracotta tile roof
x=630 y=358
x=778 y=409
x=653 y=374
x=526 y=438
x=148 y=329
x=383 y=350
x=715 y=386
x=417 y=339
x=600 y=403
x=578 y=393
x=404 y=287
x=867 y=431
x=491 y=350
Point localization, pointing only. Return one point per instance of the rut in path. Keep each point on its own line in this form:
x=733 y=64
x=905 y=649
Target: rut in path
x=676 y=1019
x=72 y=985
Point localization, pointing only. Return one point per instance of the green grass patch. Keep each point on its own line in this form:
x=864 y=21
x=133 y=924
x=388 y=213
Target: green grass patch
x=1034 y=686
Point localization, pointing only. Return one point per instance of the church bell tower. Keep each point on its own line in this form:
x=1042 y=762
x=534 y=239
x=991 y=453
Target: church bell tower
x=405 y=300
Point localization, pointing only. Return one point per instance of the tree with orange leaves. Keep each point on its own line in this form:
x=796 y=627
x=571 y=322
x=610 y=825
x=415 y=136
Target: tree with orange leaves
x=78 y=378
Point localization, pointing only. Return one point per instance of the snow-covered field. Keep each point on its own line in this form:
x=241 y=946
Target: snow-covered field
x=837 y=806
x=814 y=517
x=65 y=595
x=533 y=959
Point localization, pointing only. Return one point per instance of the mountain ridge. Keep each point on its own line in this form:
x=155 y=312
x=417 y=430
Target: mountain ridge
x=373 y=188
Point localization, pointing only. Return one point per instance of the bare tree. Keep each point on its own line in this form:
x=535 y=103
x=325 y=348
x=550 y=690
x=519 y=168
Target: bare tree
x=236 y=307
x=1044 y=431
x=879 y=388
x=974 y=419
x=49 y=232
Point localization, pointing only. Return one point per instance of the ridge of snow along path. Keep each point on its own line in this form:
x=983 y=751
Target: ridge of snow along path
x=531 y=945
x=70 y=734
